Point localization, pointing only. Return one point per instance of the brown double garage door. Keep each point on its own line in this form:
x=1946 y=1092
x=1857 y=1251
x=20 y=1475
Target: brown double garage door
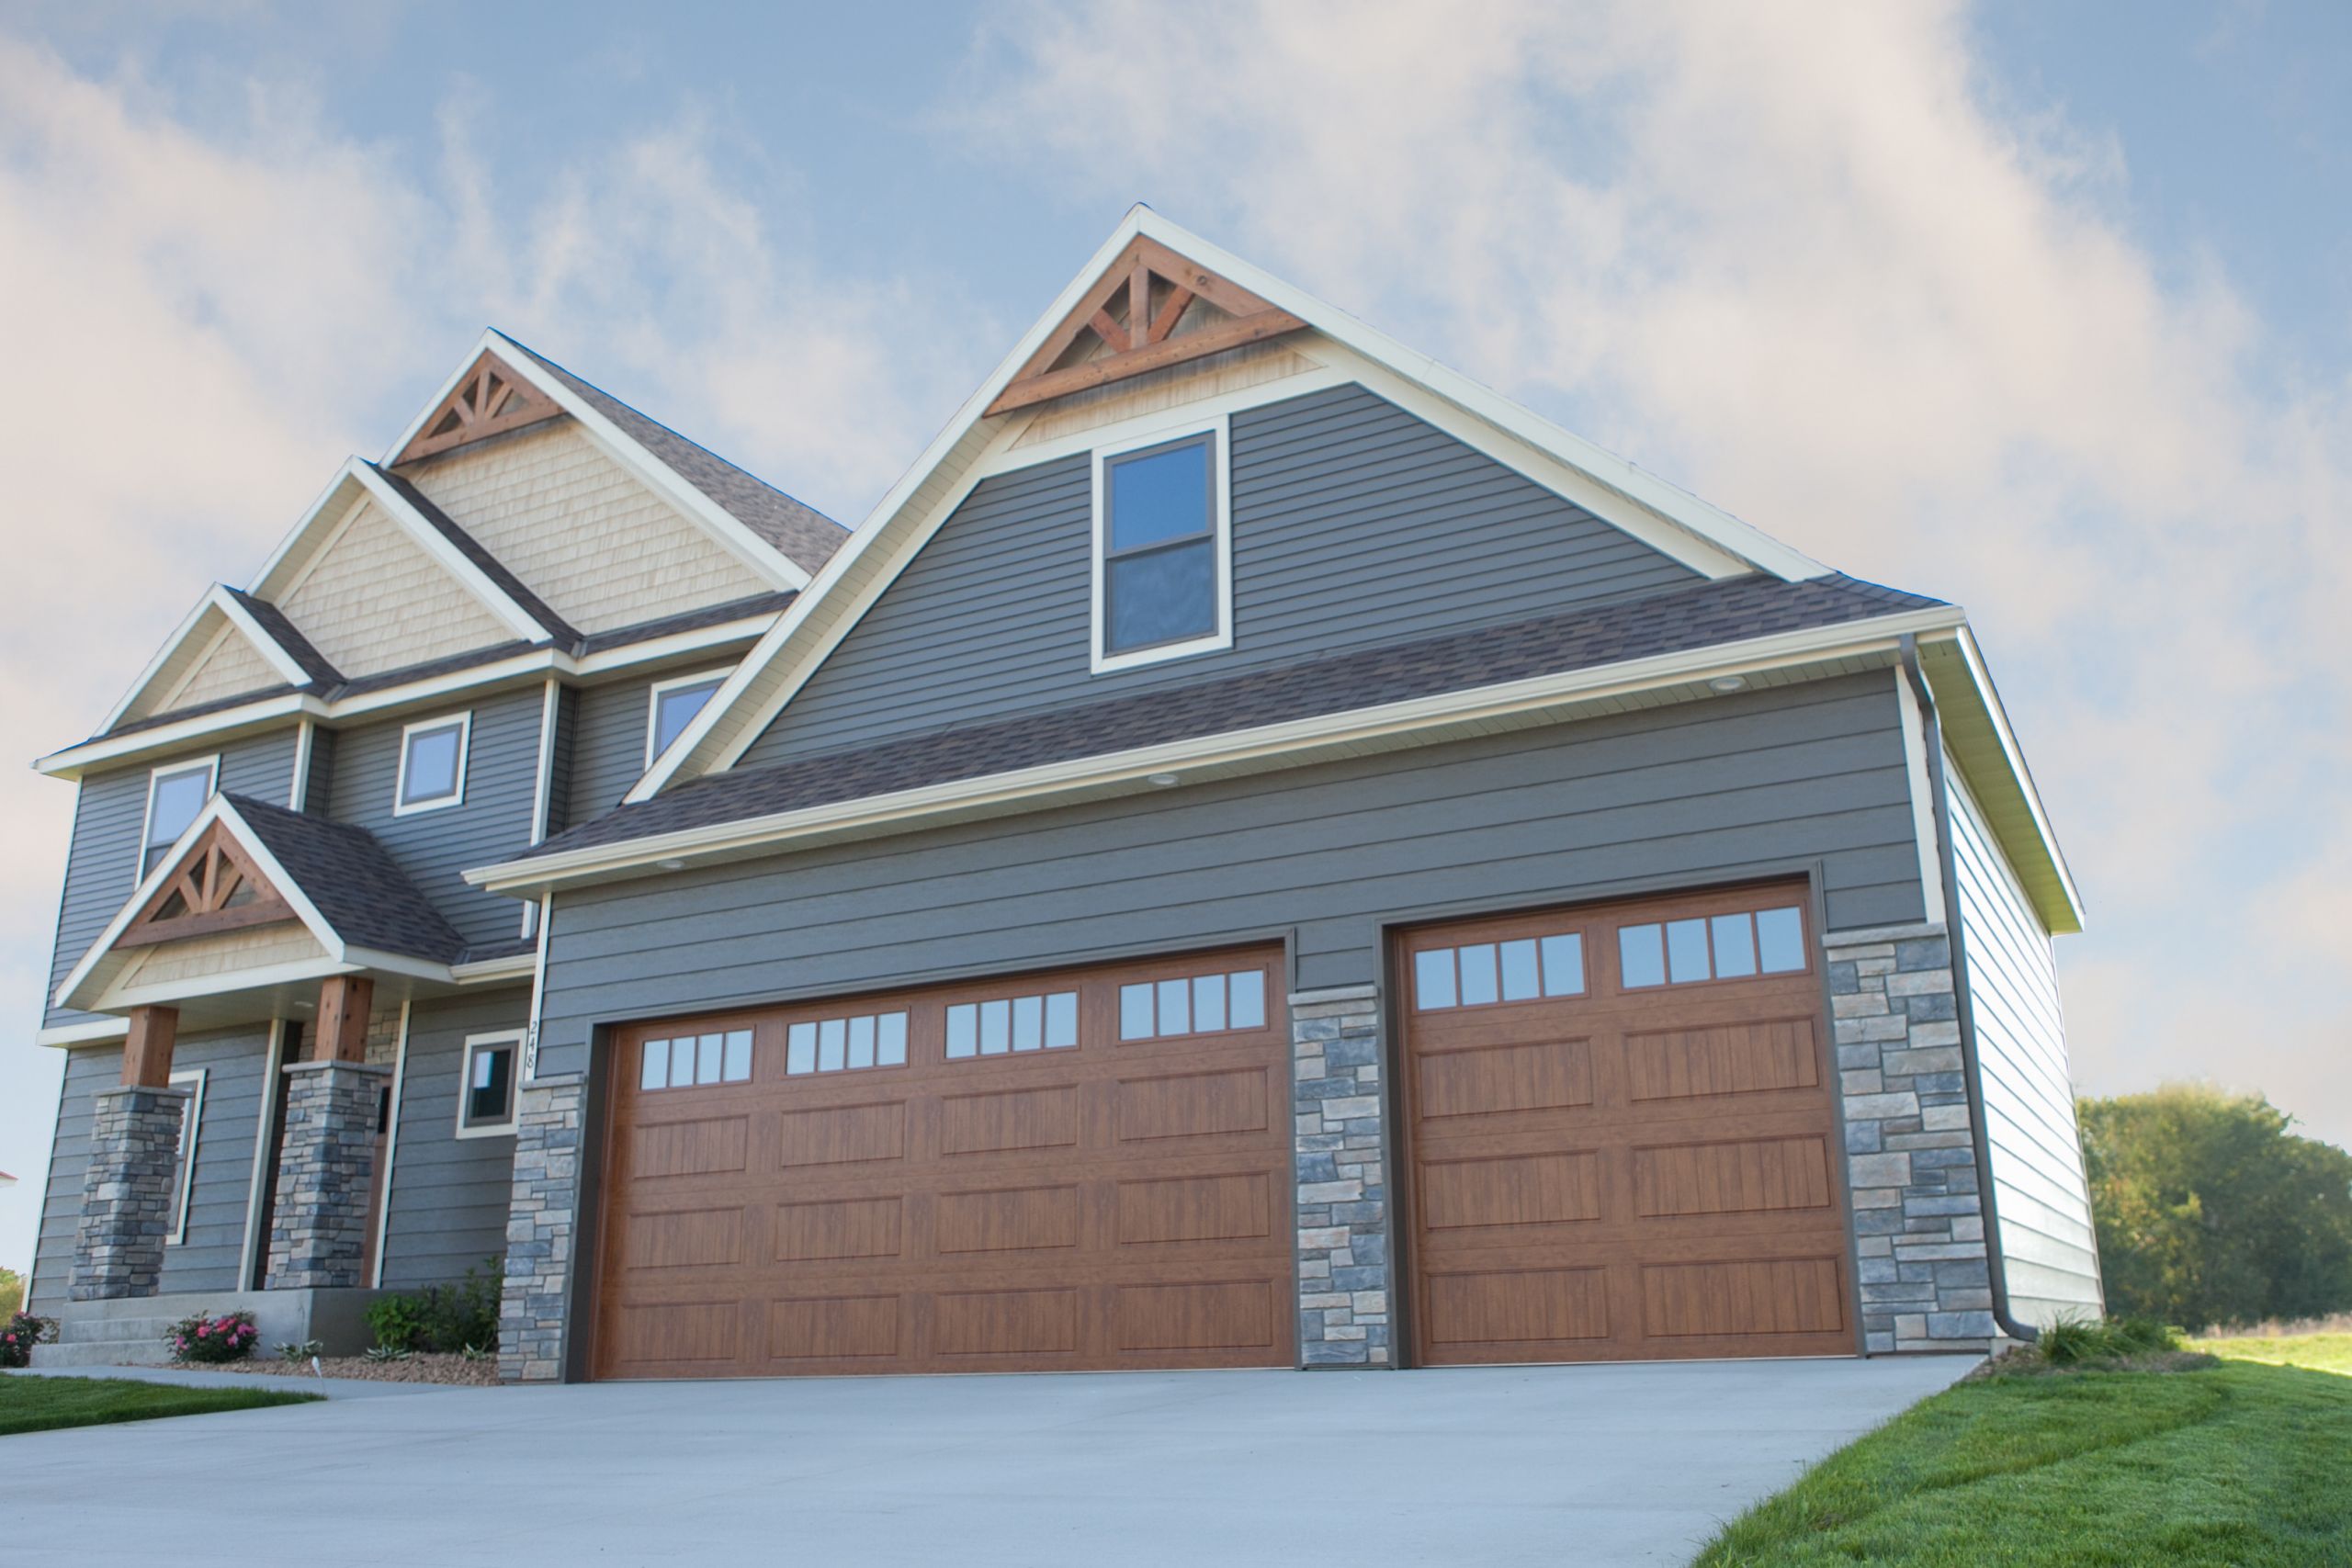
x=1617 y=1142
x=1078 y=1171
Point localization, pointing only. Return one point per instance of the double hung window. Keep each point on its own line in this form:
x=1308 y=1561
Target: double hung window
x=1162 y=551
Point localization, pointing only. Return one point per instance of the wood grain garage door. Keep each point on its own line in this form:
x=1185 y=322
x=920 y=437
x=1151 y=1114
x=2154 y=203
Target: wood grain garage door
x=1622 y=1140
x=1058 y=1171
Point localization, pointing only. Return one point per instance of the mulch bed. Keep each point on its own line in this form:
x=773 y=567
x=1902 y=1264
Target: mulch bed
x=454 y=1370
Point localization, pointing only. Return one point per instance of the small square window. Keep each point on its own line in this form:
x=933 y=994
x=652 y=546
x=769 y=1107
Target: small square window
x=175 y=797
x=433 y=765
x=673 y=706
x=486 y=1093
x=1779 y=941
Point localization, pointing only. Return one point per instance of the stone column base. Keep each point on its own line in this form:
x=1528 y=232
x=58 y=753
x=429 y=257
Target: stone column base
x=127 y=1192
x=542 y=1218
x=318 y=1238
x=1910 y=1151
x=1344 y=1257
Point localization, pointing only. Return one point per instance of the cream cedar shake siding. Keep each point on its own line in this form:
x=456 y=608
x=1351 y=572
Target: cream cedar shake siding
x=383 y=606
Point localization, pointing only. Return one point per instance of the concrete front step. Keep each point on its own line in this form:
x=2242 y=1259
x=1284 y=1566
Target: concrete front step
x=103 y=1353
x=128 y=1330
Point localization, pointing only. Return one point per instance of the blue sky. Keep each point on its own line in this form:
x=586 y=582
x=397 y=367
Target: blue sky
x=2029 y=306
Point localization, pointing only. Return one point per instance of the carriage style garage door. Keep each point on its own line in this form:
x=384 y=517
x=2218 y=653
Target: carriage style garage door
x=1051 y=1171
x=1621 y=1136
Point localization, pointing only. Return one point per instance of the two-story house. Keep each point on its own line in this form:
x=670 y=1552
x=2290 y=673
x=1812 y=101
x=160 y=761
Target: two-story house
x=1257 y=852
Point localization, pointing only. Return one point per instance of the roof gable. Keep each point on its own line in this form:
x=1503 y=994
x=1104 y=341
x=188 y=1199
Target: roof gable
x=225 y=647
x=1703 y=536
x=243 y=865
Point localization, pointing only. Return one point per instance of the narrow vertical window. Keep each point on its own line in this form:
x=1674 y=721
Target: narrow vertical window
x=175 y=797
x=486 y=1090
x=1163 y=564
x=673 y=706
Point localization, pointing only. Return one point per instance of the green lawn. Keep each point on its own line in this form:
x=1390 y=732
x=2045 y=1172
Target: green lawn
x=2242 y=1465
x=42 y=1404
x=2319 y=1352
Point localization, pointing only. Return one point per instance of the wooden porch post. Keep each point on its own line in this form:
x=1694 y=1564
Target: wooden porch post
x=344 y=1004
x=147 y=1049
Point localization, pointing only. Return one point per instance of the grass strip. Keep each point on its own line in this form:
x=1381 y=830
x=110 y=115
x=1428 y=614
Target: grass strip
x=45 y=1404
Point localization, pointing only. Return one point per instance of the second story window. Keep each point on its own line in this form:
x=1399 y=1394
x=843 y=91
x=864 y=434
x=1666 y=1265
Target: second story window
x=673 y=707
x=175 y=796
x=433 y=765
x=1162 y=551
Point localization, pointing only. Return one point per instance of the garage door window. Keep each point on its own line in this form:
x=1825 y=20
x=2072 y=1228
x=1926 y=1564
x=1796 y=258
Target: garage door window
x=1012 y=1023
x=846 y=1045
x=1202 y=1004
x=1724 y=947
x=695 y=1059
x=1485 y=971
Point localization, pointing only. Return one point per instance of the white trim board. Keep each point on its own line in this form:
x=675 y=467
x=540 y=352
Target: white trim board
x=391 y=1149
x=1271 y=745
x=217 y=600
x=73 y=761
x=191 y=1135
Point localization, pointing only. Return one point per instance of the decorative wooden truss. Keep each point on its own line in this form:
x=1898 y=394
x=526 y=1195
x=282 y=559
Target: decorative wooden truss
x=215 y=887
x=490 y=399
x=1156 y=285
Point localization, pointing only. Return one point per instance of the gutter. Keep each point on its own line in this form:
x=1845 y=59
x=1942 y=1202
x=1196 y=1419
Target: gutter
x=1979 y=1132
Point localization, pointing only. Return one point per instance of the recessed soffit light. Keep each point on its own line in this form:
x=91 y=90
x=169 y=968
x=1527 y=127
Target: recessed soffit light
x=1728 y=684
x=1159 y=781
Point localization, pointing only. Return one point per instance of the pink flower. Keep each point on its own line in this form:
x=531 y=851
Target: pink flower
x=11 y=1339
x=202 y=1329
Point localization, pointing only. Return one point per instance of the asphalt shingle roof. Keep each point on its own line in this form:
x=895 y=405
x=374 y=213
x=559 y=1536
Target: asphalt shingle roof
x=489 y=566
x=352 y=881
x=1735 y=610
x=805 y=535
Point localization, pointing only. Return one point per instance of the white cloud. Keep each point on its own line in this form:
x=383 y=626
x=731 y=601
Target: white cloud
x=1808 y=265
x=202 y=323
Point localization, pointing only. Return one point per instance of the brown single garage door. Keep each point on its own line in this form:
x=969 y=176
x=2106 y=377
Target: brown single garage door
x=1088 y=1170
x=1622 y=1140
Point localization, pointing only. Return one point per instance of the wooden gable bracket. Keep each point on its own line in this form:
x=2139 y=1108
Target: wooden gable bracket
x=216 y=888
x=1143 y=341
x=489 y=400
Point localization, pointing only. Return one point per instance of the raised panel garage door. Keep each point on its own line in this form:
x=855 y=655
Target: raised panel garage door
x=1621 y=1134
x=1066 y=1171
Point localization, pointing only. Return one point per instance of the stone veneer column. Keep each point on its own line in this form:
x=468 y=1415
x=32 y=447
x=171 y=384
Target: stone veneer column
x=1910 y=1151
x=127 y=1191
x=1343 y=1255
x=318 y=1238
x=542 y=1219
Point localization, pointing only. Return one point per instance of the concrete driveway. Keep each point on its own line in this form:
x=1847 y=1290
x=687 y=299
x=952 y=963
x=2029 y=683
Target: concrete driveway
x=1559 y=1465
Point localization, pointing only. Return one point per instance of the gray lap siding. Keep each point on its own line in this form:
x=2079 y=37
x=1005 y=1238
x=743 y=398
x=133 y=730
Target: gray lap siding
x=235 y=1066
x=436 y=847
x=1353 y=524
x=447 y=1208
x=102 y=862
x=1695 y=792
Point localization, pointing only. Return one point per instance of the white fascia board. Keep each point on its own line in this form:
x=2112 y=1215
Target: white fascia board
x=217 y=809
x=514 y=966
x=339 y=488
x=73 y=762
x=518 y=620
x=740 y=541
x=64 y=1036
x=1877 y=634
x=217 y=600
x=2012 y=754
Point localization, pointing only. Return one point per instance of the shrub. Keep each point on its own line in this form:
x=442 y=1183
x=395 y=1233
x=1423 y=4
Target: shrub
x=12 y=1293
x=2082 y=1341
x=23 y=1332
x=299 y=1350
x=229 y=1337
x=441 y=1319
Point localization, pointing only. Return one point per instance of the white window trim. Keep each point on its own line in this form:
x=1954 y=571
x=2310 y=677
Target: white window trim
x=653 y=702
x=1219 y=429
x=147 y=817
x=465 y=723
x=505 y=1129
x=192 y=1127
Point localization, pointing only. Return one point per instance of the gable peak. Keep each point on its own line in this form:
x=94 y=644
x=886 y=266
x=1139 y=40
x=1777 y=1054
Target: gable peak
x=1151 y=307
x=489 y=400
